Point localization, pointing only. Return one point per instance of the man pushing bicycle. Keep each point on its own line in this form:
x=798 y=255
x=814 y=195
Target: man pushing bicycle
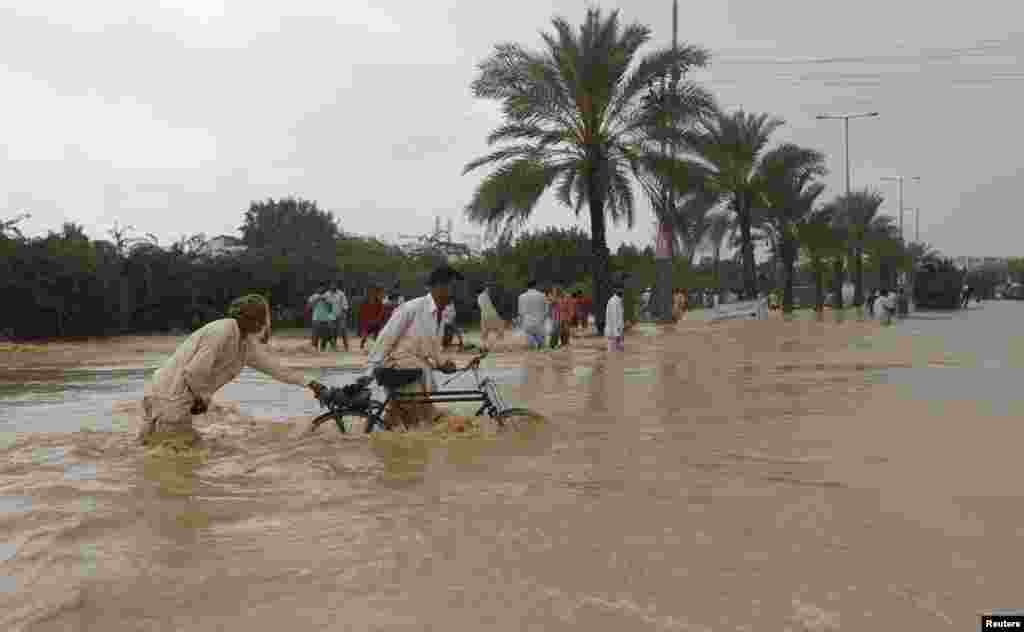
x=408 y=348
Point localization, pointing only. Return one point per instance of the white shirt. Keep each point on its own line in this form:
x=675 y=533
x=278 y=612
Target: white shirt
x=533 y=309
x=487 y=309
x=411 y=338
x=338 y=299
x=614 y=318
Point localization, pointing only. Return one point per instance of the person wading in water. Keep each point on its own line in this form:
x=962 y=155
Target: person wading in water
x=208 y=359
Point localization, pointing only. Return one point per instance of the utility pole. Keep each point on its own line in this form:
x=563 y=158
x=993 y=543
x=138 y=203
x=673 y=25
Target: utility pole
x=900 y=179
x=857 y=300
x=846 y=135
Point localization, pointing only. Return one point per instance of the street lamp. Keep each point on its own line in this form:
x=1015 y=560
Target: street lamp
x=900 y=179
x=857 y=298
x=846 y=134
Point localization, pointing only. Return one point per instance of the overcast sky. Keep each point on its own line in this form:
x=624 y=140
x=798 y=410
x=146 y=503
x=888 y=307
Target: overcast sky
x=171 y=116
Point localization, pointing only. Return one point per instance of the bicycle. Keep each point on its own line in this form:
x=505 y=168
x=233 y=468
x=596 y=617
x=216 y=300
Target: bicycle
x=355 y=401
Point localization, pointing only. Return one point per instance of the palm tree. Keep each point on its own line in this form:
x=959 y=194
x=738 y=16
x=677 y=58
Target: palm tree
x=576 y=120
x=859 y=209
x=733 y=146
x=820 y=240
x=839 y=257
x=788 y=181
x=720 y=227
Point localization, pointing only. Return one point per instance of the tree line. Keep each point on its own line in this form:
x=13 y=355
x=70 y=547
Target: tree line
x=64 y=284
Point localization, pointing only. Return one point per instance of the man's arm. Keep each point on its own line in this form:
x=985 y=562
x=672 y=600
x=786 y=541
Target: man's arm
x=400 y=321
x=267 y=364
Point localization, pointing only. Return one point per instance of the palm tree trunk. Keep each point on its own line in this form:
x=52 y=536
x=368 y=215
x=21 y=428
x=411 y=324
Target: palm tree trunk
x=819 y=284
x=858 y=277
x=749 y=271
x=599 y=249
x=839 y=277
x=788 y=265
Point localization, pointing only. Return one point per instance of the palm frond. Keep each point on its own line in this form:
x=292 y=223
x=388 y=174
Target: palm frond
x=510 y=193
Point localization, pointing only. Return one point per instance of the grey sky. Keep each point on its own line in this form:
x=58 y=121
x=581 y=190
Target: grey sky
x=172 y=116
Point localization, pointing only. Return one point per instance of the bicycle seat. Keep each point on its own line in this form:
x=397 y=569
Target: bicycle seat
x=351 y=396
x=397 y=378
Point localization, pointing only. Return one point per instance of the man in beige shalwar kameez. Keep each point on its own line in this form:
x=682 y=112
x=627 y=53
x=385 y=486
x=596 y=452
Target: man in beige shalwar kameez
x=210 y=358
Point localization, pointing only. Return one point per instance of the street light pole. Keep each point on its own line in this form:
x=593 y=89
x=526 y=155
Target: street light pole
x=900 y=179
x=846 y=144
x=846 y=135
x=917 y=225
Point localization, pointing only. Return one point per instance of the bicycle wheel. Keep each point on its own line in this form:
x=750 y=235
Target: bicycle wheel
x=516 y=418
x=351 y=421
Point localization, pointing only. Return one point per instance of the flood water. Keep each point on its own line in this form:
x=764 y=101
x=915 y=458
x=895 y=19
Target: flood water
x=741 y=476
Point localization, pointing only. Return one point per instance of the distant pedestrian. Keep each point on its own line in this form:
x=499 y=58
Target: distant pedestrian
x=532 y=314
x=566 y=314
x=371 y=316
x=311 y=304
x=324 y=326
x=340 y=303
x=886 y=305
x=584 y=308
x=614 y=321
x=554 y=327
x=490 y=321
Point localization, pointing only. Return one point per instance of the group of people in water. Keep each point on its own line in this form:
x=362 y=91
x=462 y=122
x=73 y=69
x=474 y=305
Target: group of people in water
x=216 y=353
x=407 y=334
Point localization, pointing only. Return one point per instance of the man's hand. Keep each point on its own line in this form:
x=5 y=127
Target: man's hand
x=317 y=388
x=447 y=367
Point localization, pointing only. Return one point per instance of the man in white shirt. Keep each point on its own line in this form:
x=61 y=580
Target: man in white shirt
x=408 y=349
x=614 y=321
x=338 y=299
x=490 y=320
x=533 y=310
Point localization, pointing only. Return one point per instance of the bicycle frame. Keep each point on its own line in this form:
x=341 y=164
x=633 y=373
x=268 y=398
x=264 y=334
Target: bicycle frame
x=485 y=392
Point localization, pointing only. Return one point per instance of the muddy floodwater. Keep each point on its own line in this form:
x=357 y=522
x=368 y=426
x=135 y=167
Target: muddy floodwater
x=773 y=475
